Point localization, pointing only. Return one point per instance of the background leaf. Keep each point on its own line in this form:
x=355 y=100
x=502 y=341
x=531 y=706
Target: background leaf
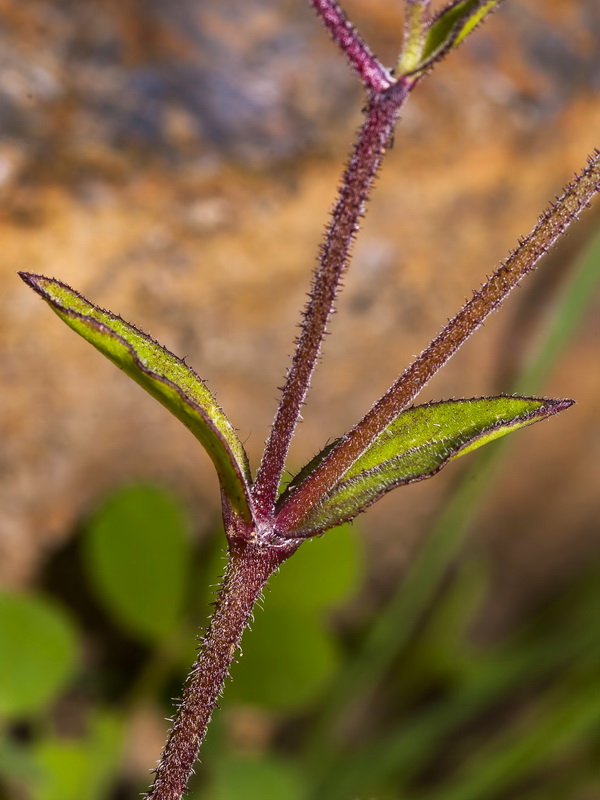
x=323 y=573
x=289 y=655
x=73 y=769
x=137 y=556
x=38 y=647
x=163 y=375
x=246 y=778
x=287 y=660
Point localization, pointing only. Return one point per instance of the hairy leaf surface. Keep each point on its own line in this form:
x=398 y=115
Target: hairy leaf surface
x=161 y=374
x=452 y=25
x=416 y=445
x=415 y=29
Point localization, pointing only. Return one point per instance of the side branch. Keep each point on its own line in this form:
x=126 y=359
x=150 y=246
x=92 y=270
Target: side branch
x=371 y=72
x=521 y=261
x=382 y=113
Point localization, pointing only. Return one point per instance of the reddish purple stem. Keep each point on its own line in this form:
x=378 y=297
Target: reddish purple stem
x=385 y=100
x=381 y=114
x=372 y=73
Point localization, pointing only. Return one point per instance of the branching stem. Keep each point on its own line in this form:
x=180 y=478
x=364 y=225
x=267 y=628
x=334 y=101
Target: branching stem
x=522 y=260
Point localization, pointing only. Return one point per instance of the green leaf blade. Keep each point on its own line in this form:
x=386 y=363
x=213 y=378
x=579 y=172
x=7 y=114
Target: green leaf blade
x=451 y=26
x=164 y=376
x=416 y=445
x=243 y=777
x=137 y=558
x=294 y=674
x=323 y=574
x=39 y=653
x=70 y=769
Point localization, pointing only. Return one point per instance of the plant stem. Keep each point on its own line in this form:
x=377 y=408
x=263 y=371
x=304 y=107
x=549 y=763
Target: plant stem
x=522 y=260
x=381 y=114
x=373 y=75
x=250 y=565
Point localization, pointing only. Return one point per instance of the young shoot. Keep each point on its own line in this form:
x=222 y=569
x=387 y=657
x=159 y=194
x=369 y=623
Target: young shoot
x=395 y=443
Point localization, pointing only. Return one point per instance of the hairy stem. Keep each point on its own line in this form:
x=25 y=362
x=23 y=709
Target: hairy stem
x=373 y=75
x=249 y=567
x=522 y=260
x=381 y=114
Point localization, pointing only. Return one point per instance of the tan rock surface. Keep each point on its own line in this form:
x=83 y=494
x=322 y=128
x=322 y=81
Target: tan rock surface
x=175 y=163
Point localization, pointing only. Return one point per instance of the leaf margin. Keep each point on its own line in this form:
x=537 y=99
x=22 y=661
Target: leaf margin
x=548 y=407
x=217 y=433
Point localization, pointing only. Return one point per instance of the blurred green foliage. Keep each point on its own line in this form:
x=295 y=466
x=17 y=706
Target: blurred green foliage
x=319 y=707
x=137 y=560
x=70 y=769
x=39 y=653
x=246 y=778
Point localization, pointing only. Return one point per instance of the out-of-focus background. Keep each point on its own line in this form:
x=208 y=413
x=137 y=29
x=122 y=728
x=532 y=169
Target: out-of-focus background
x=175 y=162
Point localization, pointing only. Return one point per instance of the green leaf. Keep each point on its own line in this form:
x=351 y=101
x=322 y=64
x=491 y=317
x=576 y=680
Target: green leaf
x=289 y=655
x=452 y=25
x=72 y=769
x=64 y=767
x=444 y=651
x=39 y=653
x=287 y=660
x=323 y=573
x=247 y=778
x=163 y=375
x=17 y=762
x=137 y=557
x=416 y=445
x=104 y=743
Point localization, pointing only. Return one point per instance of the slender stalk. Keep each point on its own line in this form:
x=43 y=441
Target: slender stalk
x=372 y=73
x=522 y=260
x=249 y=567
x=381 y=114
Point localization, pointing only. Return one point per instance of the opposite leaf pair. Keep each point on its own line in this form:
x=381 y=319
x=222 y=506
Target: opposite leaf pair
x=416 y=445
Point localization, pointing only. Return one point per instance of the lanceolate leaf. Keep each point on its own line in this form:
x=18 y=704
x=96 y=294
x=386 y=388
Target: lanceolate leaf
x=451 y=26
x=416 y=445
x=161 y=374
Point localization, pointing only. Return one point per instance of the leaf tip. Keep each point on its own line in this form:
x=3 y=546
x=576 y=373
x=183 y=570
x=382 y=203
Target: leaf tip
x=29 y=278
x=39 y=283
x=556 y=406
